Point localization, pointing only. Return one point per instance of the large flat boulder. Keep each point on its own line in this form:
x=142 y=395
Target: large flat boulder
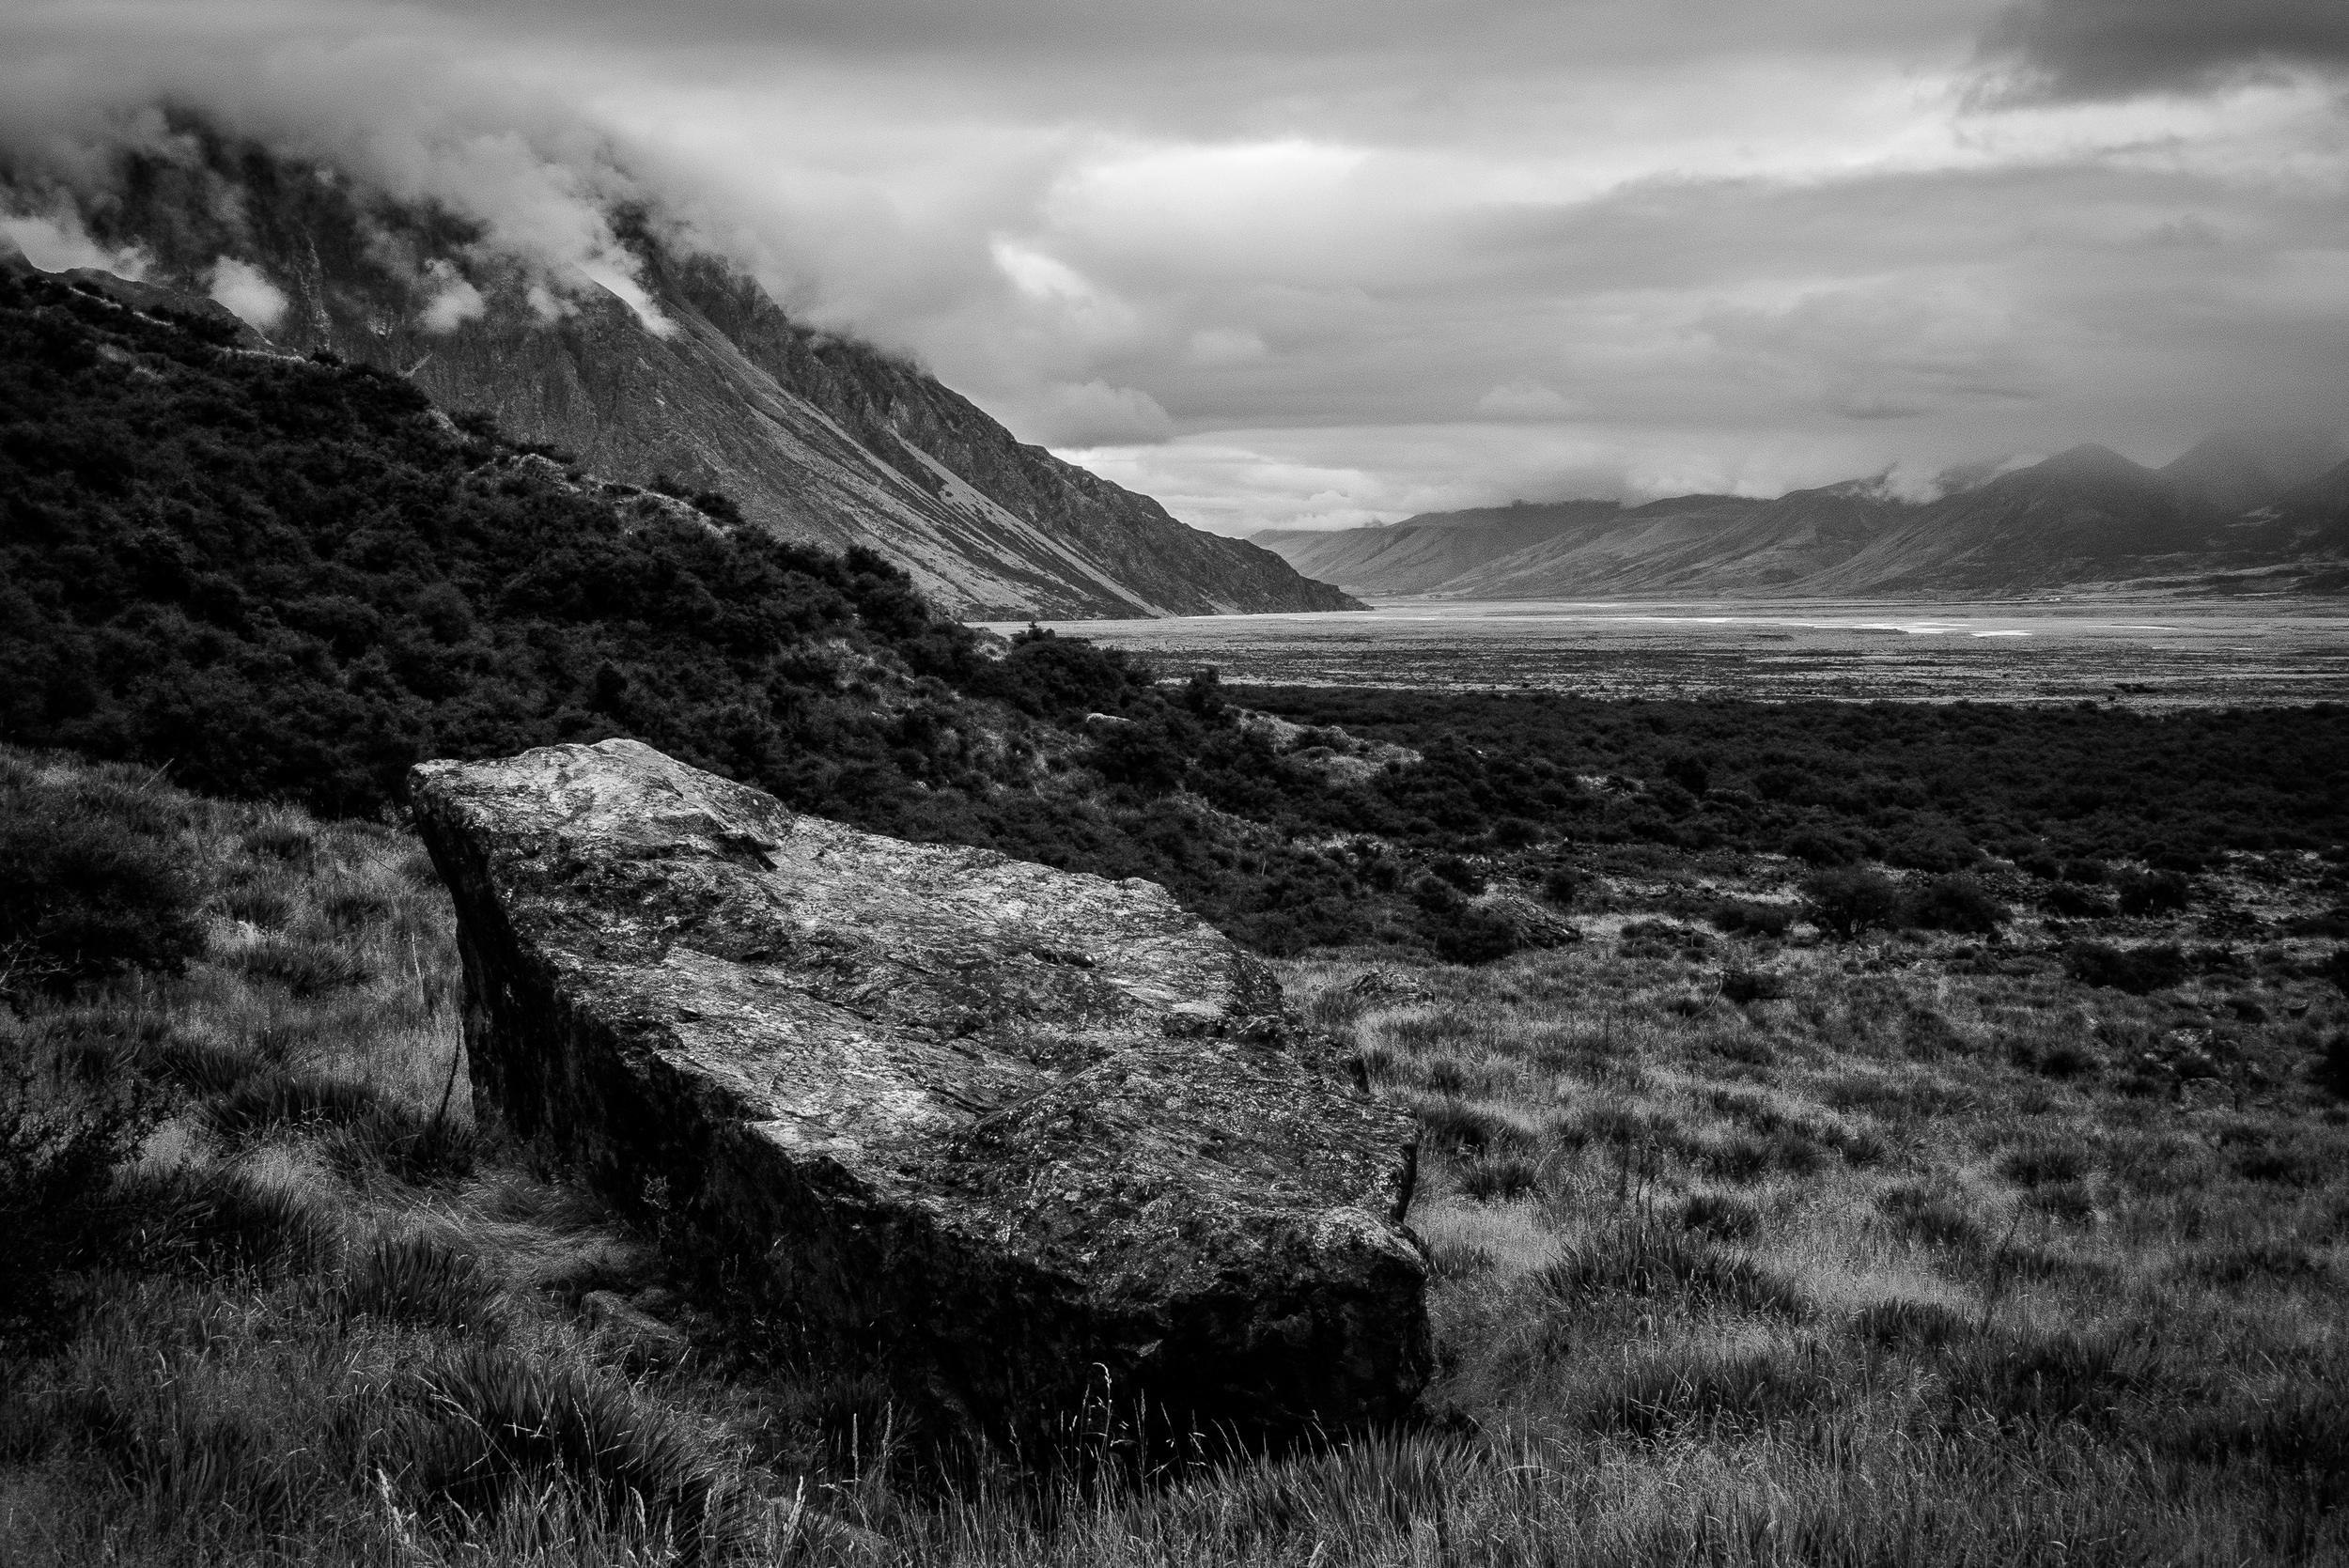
x=1021 y=1136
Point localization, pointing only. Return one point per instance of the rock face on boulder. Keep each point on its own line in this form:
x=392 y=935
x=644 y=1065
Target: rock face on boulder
x=1016 y=1132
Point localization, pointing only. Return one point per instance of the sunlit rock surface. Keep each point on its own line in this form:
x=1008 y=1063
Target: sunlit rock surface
x=1025 y=1135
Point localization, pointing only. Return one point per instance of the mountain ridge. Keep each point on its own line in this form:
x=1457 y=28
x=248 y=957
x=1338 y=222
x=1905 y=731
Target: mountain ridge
x=704 y=381
x=2238 y=512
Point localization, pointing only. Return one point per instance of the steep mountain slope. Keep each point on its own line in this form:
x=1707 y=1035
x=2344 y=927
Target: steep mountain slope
x=2239 y=471
x=1422 y=554
x=702 y=380
x=2086 y=516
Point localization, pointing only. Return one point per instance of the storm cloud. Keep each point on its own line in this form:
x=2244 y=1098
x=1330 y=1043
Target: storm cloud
x=2102 y=48
x=1283 y=263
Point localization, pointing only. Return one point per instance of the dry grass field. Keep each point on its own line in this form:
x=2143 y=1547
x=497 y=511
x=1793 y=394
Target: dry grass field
x=1922 y=1254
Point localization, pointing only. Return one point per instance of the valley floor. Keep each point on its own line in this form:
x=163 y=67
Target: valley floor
x=2140 y=652
x=1922 y=1254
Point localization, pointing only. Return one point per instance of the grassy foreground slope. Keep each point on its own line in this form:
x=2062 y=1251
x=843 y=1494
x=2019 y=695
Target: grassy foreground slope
x=1922 y=1253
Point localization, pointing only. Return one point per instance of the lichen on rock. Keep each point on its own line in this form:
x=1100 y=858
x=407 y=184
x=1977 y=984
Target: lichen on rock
x=1021 y=1137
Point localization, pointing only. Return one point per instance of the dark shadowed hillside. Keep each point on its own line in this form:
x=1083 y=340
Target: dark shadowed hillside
x=2238 y=513
x=705 y=382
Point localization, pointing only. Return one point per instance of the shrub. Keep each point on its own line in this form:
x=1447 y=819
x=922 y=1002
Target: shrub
x=1514 y=832
x=67 y=1119
x=1742 y=915
x=1560 y=886
x=2332 y=1069
x=1815 y=848
x=1930 y=849
x=86 y=889
x=2135 y=969
x=1457 y=872
x=2074 y=901
x=2154 y=892
x=1847 y=901
x=1954 y=903
x=1689 y=771
x=1436 y=895
x=1747 y=985
x=1476 y=937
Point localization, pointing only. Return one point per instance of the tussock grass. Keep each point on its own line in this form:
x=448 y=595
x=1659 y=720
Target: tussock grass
x=1926 y=1260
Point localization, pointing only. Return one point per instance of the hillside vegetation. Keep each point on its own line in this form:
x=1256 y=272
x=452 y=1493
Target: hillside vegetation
x=814 y=434
x=292 y=579
x=1749 y=1249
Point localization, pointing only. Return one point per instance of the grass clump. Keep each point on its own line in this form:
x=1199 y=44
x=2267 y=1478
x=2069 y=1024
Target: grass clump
x=1647 y=1260
x=418 y=1279
x=90 y=884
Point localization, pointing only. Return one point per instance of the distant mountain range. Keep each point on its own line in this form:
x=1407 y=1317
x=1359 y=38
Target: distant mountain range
x=2238 y=514
x=704 y=381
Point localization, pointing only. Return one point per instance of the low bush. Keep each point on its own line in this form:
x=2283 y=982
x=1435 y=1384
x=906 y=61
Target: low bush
x=1472 y=935
x=2157 y=893
x=1818 y=848
x=1953 y=903
x=1746 y=916
x=1742 y=986
x=1457 y=872
x=2135 y=969
x=1560 y=886
x=2331 y=1067
x=1847 y=900
x=88 y=886
x=1436 y=895
x=68 y=1118
x=1930 y=852
x=2074 y=901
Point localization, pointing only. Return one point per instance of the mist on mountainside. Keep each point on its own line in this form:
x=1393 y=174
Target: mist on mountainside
x=2242 y=511
x=607 y=330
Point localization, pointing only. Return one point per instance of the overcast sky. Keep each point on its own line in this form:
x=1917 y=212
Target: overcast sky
x=1280 y=263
